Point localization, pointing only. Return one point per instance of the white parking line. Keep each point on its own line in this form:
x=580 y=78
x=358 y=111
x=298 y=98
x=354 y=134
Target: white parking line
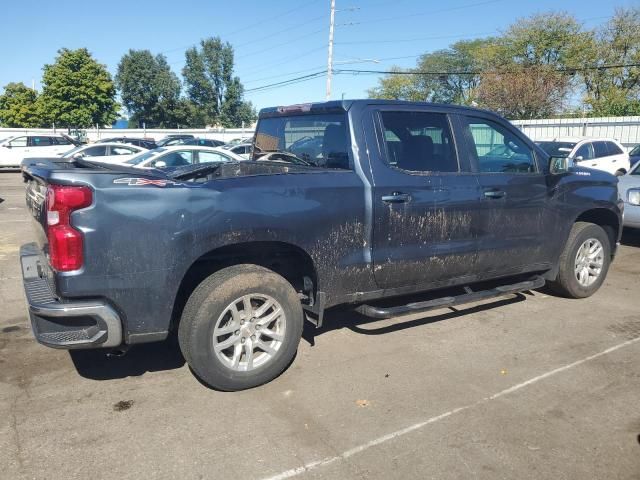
x=361 y=448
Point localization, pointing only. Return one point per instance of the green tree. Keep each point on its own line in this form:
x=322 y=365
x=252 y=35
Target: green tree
x=18 y=106
x=211 y=85
x=150 y=91
x=77 y=91
x=397 y=86
x=613 y=91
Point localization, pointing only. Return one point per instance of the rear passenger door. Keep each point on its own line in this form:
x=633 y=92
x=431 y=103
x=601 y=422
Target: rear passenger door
x=425 y=202
x=514 y=225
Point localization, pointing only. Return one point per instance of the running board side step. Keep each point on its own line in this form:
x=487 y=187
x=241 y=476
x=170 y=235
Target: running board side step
x=444 y=302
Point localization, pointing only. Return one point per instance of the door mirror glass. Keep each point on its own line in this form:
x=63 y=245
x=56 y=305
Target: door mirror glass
x=558 y=165
x=579 y=158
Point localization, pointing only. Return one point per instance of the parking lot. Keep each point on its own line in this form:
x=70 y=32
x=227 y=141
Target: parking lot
x=530 y=386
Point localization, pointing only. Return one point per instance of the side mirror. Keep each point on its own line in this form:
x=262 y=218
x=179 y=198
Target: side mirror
x=558 y=165
x=78 y=155
x=160 y=164
x=8 y=145
x=579 y=158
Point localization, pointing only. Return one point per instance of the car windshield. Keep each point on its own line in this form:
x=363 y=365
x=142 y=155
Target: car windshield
x=72 y=151
x=636 y=151
x=557 y=149
x=319 y=140
x=138 y=159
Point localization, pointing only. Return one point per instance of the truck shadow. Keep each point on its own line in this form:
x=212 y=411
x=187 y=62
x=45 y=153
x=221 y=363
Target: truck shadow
x=341 y=317
x=161 y=356
x=631 y=237
x=150 y=357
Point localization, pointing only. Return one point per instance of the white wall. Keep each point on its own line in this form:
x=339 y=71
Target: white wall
x=624 y=129
x=93 y=134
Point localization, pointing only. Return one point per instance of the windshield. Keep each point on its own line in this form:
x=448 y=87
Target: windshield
x=319 y=140
x=557 y=149
x=138 y=159
x=636 y=151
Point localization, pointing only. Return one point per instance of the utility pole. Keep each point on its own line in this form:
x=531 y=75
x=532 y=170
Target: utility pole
x=330 y=59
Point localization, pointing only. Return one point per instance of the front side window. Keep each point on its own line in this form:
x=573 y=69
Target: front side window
x=97 y=151
x=61 y=140
x=498 y=150
x=419 y=141
x=585 y=152
x=19 y=142
x=556 y=149
x=600 y=149
x=122 y=151
x=316 y=140
x=176 y=159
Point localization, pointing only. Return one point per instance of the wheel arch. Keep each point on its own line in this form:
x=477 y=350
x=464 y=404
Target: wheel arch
x=286 y=259
x=606 y=219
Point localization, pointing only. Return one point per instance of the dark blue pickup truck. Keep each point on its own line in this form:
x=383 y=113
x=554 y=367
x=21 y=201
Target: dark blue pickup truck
x=357 y=203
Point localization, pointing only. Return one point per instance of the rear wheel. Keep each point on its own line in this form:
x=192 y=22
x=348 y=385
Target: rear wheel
x=584 y=262
x=241 y=327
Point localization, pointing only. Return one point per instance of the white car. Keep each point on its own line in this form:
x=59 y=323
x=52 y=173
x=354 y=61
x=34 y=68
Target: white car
x=180 y=156
x=242 y=149
x=113 y=152
x=14 y=149
x=604 y=154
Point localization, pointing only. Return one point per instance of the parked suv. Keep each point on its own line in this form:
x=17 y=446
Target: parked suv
x=604 y=154
x=14 y=149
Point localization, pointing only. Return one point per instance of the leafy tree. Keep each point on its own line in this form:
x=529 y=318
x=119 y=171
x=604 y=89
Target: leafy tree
x=18 y=106
x=521 y=92
x=614 y=91
x=150 y=91
x=77 y=91
x=397 y=86
x=211 y=85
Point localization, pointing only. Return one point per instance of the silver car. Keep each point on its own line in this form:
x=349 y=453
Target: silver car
x=629 y=188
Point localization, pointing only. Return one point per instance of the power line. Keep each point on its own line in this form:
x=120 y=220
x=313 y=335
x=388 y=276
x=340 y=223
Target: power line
x=479 y=72
x=415 y=39
x=253 y=25
x=432 y=12
x=254 y=80
x=288 y=42
x=288 y=82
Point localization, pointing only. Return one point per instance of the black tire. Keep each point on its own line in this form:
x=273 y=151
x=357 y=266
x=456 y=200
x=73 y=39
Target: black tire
x=209 y=301
x=566 y=283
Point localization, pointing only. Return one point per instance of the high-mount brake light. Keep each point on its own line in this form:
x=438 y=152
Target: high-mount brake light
x=65 y=242
x=303 y=107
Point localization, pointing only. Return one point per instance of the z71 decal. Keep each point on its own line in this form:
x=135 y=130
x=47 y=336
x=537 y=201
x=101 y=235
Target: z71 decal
x=139 y=182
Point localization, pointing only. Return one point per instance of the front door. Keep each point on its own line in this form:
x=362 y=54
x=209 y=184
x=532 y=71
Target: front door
x=515 y=221
x=424 y=201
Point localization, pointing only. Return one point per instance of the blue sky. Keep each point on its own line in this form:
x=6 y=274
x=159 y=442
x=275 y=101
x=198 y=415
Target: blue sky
x=273 y=41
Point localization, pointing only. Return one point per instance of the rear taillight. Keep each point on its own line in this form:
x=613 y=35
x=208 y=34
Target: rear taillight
x=65 y=242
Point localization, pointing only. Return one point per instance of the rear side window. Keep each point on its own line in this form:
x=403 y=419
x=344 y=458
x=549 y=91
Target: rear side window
x=60 y=141
x=122 y=151
x=312 y=140
x=600 y=149
x=176 y=159
x=40 y=141
x=613 y=149
x=497 y=150
x=419 y=141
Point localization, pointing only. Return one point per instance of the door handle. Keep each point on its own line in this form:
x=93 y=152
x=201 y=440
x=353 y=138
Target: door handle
x=495 y=193
x=396 y=197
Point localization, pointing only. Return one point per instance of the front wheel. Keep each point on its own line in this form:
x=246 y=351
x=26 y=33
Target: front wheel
x=241 y=327
x=584 y=262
